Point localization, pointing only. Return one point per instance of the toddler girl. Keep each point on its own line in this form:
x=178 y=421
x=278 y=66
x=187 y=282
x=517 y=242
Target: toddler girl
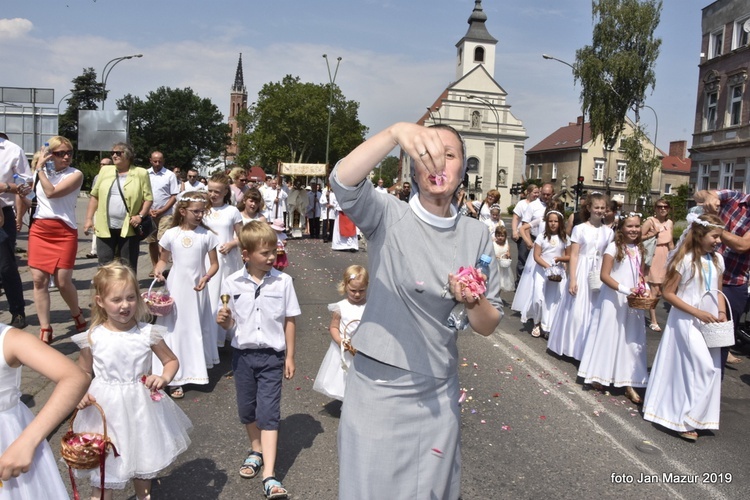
x=190 y=333
x=588 y=241
x=502 y=252
x=685 y=389
x=345 y=318
x=615 y=350
x=148 y=429
x=224 y=220
x=549 y=250
x=494 y=220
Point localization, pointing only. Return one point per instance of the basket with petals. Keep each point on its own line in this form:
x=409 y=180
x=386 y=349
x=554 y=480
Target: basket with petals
x=554 y=273
x=642 y=298
x=159 y=303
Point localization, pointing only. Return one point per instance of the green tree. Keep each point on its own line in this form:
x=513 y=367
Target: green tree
x=187 y=128
x=86 y=94
x=289 y=123
x=679 y=200
x=387 y=170
x=617 y=69
x=642 y=163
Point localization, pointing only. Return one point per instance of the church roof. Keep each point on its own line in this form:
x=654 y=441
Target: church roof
x=477 y=30
x=239 y=80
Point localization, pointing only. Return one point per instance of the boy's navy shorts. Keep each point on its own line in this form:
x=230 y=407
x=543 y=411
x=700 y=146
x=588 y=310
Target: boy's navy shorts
x=257 y=380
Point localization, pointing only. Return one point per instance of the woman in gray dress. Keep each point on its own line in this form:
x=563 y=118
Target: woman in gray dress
x=399 y=435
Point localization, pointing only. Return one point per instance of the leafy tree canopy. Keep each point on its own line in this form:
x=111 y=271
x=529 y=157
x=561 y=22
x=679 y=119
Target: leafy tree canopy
x=617 y=69
x=289 y=123
x=387 y=170
x=188 y=129
x=642 y=163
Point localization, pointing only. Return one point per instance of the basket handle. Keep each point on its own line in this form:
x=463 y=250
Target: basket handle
x=726 y=302
x=101 y=412
x=152 y=286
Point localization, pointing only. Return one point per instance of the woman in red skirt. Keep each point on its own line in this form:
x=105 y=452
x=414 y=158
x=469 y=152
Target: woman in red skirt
x=53 y=237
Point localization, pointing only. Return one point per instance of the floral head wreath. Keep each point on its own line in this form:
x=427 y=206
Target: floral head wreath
x=555 y=212
x=692 y=218
x=351 y=277
x=193 y=199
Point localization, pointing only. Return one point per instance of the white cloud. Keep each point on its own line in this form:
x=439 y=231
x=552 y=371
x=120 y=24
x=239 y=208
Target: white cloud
x=14 y=28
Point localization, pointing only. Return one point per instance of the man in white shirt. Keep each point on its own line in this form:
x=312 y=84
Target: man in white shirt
x=379 y=188
x=193 y=184
x=533 y=217
x=328 y=213
x=275 y=199
x=165 y=188
x=12 y=163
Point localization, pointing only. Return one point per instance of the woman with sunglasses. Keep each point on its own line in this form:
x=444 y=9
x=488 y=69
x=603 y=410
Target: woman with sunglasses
x=660 y=227
x=120 y=198
x=53 y=233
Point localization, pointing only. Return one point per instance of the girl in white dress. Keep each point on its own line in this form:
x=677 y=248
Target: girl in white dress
x=502 y=252
x=549 y=250
x=252 y=206
x=346 y=314
x=224 y=220
x=23 y=444
x=588 y=242
x=684 y=393
x=190 y=333
x=615 y=350
x=147 y=428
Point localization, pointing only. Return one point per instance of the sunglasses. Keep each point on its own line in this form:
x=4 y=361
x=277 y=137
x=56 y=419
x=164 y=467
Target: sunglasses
x=661 y=206
x=118 y=153
x=62 y=154
x=241 y=180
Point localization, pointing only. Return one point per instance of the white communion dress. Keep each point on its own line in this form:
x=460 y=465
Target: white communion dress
x=43 y=479
x=147 y=433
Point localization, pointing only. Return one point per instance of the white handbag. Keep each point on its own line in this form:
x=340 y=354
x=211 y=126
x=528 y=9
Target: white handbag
x=595 y=280
x=719 y=334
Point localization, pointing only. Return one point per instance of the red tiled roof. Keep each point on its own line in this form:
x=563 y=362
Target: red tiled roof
x=568 y=137
x=676 y=164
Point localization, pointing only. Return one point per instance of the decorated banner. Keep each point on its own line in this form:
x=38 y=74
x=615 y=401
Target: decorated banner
x=302 y=169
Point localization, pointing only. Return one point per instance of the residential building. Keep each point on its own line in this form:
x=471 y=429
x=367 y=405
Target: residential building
x=555 y=159
x=477 y=107
x=675 y=168
x=721 y=135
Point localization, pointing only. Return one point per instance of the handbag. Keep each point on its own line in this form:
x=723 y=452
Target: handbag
x=146 y=227
x=595 y=280
x=719 y=334
x=649 y=247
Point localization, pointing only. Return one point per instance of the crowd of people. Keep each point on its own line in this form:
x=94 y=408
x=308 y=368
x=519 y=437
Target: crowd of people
x=586 y=282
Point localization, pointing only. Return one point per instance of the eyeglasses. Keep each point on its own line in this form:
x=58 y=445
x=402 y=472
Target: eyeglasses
x=62 y=154
x=118 y=153
x=196 y=212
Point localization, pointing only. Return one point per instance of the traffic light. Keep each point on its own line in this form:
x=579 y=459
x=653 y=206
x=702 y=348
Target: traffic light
x=477 y=182
x=466 y=180
x=579 y=186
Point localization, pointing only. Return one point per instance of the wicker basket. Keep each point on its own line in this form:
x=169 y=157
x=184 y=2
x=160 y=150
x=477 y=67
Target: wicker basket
x=644 y=303
x=720 y=334
x=163 y=309
x=557 y=278
x=89 y=454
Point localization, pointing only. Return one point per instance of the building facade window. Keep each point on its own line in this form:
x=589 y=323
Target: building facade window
x=554 y=170
x=599 y=170
x=622 y=171
x=709 y=118
x=667 y=188
x=716 y=43
x=740 y=38
x=479 y=54
x=538 y=171
x=726 y=179
x=703 y=176
x=735 y=105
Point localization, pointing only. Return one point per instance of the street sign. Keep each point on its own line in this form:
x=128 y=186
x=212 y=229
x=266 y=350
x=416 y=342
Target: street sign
x=27 y=95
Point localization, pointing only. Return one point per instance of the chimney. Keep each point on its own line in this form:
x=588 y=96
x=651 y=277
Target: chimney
x=579 y=121
x=678 y=149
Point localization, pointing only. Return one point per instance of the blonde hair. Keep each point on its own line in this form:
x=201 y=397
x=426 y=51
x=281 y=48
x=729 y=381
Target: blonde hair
x=185 y=201
x=223 y=179
x=106 y=277
x=256 y=234
x=57 y=140
x=352 y=273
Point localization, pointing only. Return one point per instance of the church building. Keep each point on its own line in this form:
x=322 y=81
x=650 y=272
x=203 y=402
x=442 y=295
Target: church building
x=477 y=107
x=237 y=102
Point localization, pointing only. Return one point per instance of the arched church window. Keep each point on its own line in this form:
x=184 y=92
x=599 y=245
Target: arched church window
x=472 y=165
x=479 y=54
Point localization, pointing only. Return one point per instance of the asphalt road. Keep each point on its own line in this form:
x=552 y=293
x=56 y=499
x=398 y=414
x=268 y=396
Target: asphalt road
x=529 y=429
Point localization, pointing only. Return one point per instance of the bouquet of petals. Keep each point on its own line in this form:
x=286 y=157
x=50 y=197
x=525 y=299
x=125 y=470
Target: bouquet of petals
x=472 y=281
x=155 y=394
x=159 y=302
x=554 y=272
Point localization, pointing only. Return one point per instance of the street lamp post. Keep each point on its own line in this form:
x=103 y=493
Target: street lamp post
x=331 y=81
x=497 y=135
x=583 y=126
x=105 y=72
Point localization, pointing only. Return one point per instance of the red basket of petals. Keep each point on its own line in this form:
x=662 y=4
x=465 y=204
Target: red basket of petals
x=159 y=303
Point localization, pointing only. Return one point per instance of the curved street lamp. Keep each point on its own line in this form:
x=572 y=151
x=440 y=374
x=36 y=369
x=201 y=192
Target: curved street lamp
x=105 y=72
x=331 y=81
x=583 y=127
x=492 y=108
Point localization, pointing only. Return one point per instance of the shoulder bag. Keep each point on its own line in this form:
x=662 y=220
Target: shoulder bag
x=146 y=227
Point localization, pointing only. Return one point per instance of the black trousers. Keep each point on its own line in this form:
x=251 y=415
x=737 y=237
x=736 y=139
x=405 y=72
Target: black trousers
x=8 y=264
x=127 y=249
x=523 y=254
x=314 y=227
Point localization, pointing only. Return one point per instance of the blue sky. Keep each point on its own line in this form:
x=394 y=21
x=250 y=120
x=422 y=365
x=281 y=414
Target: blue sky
x=397 y=55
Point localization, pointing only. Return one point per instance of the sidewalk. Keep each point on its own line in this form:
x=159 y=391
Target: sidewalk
x=62 y=324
